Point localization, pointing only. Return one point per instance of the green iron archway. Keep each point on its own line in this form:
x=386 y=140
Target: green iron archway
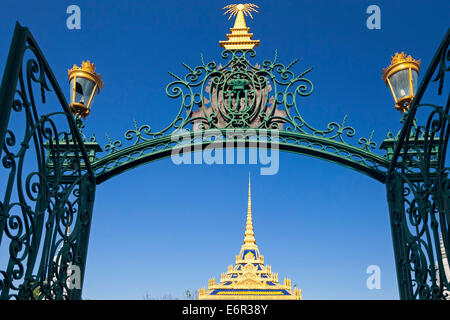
x=269 y=105
x=347 y=155
x=221 y=106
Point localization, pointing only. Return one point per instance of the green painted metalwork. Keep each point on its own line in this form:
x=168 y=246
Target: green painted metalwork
x=418 y=187
x=225 y=106
x=240 y=95
x=38 y=207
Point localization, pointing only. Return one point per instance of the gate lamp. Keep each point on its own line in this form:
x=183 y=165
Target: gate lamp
x=84 y=85
x=401 y=77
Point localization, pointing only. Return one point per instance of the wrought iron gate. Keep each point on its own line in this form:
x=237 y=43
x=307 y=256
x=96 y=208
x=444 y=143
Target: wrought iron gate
x=418 y=188
x=45 y=212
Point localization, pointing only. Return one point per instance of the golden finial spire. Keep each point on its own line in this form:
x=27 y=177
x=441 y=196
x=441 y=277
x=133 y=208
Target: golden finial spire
x=249 y=233
x=249 y=278
x=240 y=38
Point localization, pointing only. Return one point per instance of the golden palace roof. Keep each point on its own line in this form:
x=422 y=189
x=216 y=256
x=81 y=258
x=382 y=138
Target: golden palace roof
x=249 y=278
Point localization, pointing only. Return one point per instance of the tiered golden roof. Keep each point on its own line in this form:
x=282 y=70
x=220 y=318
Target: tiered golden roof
x=249 y=278
x=240 y=38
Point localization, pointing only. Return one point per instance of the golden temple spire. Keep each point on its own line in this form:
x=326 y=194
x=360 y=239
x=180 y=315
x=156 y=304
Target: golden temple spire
x=240 y=21
x=240 y=38
x=249 y=278
x=249 y=238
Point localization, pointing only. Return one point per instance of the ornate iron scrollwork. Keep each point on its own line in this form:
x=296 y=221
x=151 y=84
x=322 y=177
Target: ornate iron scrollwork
x=243 y=95
x=419 y=190
x=45 y=212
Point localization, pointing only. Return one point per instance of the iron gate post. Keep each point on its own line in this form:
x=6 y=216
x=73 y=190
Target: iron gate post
x=395 y=197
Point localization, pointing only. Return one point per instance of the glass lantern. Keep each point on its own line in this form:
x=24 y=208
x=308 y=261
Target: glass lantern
x=401 y=77
x=84 y=85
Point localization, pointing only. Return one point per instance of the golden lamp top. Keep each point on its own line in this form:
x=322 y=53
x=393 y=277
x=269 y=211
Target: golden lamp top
x=400 y=61
x=87 y=70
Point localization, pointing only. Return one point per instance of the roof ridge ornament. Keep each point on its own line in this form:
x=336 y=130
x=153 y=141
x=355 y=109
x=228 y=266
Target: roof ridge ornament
x=239 y=38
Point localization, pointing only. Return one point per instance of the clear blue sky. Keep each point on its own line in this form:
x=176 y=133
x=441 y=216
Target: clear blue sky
x=162 y=228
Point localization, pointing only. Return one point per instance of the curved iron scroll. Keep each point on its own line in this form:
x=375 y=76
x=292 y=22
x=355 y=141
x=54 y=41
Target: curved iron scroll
x=240 y=95
x=46 y=200
x=418 y=188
